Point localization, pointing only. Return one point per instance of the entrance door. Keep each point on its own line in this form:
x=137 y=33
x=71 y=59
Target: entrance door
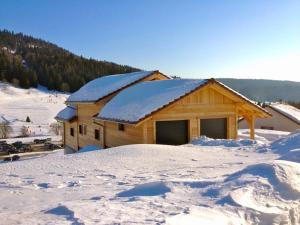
x=172 y=132
x=214 y=128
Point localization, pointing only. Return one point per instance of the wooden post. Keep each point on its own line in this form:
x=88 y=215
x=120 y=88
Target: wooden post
x=251 y=124
x=252 y=127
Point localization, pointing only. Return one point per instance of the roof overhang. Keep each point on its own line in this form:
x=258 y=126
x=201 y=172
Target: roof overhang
x=66 y=120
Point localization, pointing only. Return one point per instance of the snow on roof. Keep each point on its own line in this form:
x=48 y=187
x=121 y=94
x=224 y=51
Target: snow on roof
x=140 y=100
x=103 y=86
x=289 y=111
x=66 y=114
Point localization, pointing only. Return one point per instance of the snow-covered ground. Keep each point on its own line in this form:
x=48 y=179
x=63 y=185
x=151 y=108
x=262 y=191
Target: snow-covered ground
x=39 y=104
x=205 y=182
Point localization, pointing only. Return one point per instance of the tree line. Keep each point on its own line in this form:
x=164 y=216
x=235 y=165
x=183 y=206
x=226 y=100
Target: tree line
x=26 y=62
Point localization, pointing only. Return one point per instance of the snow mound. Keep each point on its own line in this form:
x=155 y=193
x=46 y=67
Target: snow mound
x=148 y=189
x=272 y=191
x=284 y=145
x=263 y=135
x=205 y=141
x=266 y=193
x=206 y=216
x=293 y=156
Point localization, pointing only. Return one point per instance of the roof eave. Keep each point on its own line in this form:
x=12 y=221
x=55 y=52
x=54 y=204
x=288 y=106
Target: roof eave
x=115 y=120
x=65 y=120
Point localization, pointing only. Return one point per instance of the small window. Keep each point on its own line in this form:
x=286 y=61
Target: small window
x=121 y=127
x=80 y=129
x=97 y=134
x=84 y=129
x=72 y=132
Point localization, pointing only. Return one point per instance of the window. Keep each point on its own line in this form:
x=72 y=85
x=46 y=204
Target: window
x=80 y=129
x=72 y=132
x=121 y=127
x=97 y=134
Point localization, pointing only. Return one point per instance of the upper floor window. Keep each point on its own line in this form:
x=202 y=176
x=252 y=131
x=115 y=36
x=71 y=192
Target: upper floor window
x=80 y=129
x=121 y=127
x=97 y=134
x=72 y=132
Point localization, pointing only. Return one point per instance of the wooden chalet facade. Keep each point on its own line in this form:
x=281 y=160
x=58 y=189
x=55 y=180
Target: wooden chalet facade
x=163 y=111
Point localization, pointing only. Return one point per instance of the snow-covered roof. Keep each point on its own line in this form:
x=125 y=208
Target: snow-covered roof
x=106 y=85
x=289 y=111
x=67 y=114
x=136 y=102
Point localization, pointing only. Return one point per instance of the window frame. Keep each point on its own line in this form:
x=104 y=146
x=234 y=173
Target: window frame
x=72 y=131
x=97 y=134
x=80 y=129
x=121 y=127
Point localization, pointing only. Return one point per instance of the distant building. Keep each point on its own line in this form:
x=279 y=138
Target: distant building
x=284 y=118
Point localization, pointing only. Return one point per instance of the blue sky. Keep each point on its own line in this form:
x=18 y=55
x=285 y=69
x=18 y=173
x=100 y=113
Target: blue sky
x=232 y=38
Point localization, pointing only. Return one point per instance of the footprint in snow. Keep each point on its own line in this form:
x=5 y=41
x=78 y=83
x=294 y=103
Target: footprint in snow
x=96 y=198
x=73 y=183
x=42 y=185
x=12 y=175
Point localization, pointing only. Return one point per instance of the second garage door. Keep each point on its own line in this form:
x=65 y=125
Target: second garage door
x=214 y=128
x=172 y=132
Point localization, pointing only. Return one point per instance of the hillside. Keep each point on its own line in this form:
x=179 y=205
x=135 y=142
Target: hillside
x=26 y=62
x=265 y=90
x=40 y=105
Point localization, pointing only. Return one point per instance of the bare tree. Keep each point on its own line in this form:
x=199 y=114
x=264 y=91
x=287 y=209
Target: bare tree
x=24 y=131
x=5 y=129
x=56 y=128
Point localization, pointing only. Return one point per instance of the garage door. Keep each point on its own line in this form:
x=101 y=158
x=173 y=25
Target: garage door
x=172 y=132
x=214 y=128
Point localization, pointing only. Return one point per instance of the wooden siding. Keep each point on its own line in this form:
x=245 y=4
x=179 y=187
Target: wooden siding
x=115 y=137
x=205 y=103
x=70 y=141
x=85 y=114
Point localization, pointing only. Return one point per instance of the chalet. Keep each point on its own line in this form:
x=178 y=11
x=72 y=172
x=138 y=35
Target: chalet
x=284 y=117
x=154 y=109
x=84 y=104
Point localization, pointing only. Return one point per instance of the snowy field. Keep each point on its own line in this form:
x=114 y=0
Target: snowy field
x=40 y=105
x=205 y=182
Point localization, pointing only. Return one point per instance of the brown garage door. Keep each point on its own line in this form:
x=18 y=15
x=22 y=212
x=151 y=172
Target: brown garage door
x=214 y=128
x=172 y=132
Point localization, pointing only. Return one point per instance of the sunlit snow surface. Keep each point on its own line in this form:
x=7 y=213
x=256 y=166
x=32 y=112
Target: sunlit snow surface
x=40 y=105
x=155 y=184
